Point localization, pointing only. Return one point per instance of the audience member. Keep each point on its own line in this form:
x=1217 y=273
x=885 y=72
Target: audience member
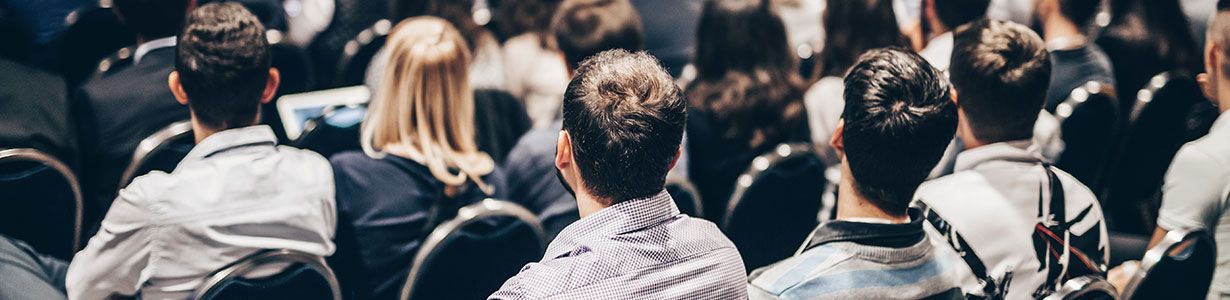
x=622 y=129
x=746 y=99
x=130 y=101
x=1145 y=38
x=34 y=112
x=29 y=275
x=942 y=17
x=852 y=27
x=1074 y=61
x=670 y=30
x=486 y=64
x=235 y=194
x=305 y=19
x=581 y=28
x=419 y=157
x=535 y=72
x=1003 y=191
x=1195 y=193
x=898 y=119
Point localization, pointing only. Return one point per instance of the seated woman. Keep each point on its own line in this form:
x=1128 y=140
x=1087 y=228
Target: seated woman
x=746 y=99
x=419 y=161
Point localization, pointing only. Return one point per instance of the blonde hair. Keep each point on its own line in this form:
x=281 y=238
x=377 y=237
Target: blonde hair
x=424 y=108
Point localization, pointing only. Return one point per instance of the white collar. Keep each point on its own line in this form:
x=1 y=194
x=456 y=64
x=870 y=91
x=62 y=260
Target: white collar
x=1222 y=123
x=1024 y=151
x=151 y=46
x=1066 y=43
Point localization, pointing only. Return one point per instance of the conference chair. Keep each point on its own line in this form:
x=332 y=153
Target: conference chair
x=334 y=132
x=686 y=196
x=471 y=255
x=775 y=203
x=1155 y=130
x=1179 y=267
x=1089 y=121
x=91 y=33
x=1088 y=287
x=40 y=202
x=161 y=151
x=304 y=276
x=297 y=76
x=357 y=54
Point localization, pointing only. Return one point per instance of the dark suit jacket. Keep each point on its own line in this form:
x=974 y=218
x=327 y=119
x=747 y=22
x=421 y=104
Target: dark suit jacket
x=115 y=111
x=34 y=112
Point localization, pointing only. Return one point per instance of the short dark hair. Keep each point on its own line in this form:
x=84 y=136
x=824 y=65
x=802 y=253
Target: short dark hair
x=899 y=118
x=1001 y=71
x=853 y=27
x=153 y=18
x=1081 y=12
x=583 y=28
x=223 y=63
x=625 y=117
x=954 y=13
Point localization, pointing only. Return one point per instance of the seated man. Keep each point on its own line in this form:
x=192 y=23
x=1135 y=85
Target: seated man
x=623 y=124
x=1075 y=60
x=236 y=192
x=894 y=100
x=1002 y=191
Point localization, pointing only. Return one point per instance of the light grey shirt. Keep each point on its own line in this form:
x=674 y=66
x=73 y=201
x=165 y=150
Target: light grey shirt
x=637 y=249
x=234 y=194
x=1194 y=196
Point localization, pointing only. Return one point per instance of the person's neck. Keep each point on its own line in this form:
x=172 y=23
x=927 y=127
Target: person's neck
x=201 y=132
x=1061 y=30
x=588 y=204
x=852 y=204
x=1223 y=99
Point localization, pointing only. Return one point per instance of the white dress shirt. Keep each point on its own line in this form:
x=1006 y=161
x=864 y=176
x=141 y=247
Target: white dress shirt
x=992 y=201
x=1195 y=196
x=234 y=194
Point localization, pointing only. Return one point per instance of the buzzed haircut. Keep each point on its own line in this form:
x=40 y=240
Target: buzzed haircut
x=899 y=118
x=625 y=117
x=1001 y=71
x=1080 y=12
x=1219 y=33
x=223 y=63
x=583 y=28
x=954 y=13
x=153 y=19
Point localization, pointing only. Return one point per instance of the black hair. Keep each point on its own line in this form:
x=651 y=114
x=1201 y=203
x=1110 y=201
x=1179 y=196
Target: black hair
x=583 y=28
x=747 y=76
x=517 y=17
x=899 y=118
x=152 y=19
x=625 y=117
x=1080 y=12
x=223 y=61
x=954 y=13
x=460 y=14
x=1001 y=71
x=1158 y=28
x=853 y=27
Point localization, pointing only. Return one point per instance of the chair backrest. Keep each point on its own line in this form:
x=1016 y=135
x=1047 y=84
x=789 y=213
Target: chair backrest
x=304 y=276
x=358 y=53
x=298 y=76
x=1089 y=120
x=41 y=202
x=337 y=130
x=1179 y=267
x=91 y=33
x=775 y=204
x=1156 y=130
x=686 y=196
x=161 y=151
x=1088 y=287
x=470 y=256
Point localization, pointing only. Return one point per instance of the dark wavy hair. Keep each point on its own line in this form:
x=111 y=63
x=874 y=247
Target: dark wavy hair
x=747 y=77
x=853 y=27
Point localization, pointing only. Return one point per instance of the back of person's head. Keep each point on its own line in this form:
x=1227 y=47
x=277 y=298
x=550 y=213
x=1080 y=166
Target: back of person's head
x=853 y=27
x=1219 y=35
x=1001 y=71
x=460 y=14
x=223 y=64
x=747 y=76
x=153 y=19
x=424 y=111
x=625 y=117
x=898 y=119
x=525 y=16
x=584 y=28
x=954 y=13
x=1156 y=27
x=1080 y=12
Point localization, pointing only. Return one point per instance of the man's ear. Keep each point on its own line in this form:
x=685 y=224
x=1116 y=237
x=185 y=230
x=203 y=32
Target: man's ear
x=177 y=89
x=953 y=91
x=1212 y=63
x=563 y=151
x=838 y=140
x=271 y=85
x=678 y=153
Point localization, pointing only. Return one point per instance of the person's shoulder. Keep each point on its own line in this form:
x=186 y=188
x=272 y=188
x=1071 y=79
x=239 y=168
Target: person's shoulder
x=811 y=267
x=350 y=160
x=951 y=185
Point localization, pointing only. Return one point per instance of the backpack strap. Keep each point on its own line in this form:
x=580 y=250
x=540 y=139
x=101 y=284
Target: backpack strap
x=990 y=288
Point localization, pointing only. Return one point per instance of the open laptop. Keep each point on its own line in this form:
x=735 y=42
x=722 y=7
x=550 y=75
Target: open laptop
x=296 y=109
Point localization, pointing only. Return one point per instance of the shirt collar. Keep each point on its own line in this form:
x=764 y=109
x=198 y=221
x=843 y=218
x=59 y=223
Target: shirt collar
x=623 y=217
x=1222 y=123
x=1024 y=151
x=874 y=234
x=258 y=135
x=146 y=47
x=1066 y=43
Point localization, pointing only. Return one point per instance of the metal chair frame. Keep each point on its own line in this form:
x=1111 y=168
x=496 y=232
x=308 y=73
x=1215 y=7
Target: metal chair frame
x=25 y=154
x=150 y=144
x=1145 y=95
x=1080 y=95
x=466 y=216
x=759 y=165
x=1158 y=252
x=1079 y=287
x=267 y=257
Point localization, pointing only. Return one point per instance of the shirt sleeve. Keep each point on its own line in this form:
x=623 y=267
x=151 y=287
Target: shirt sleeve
x=1194 y=191
x=115 y=260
